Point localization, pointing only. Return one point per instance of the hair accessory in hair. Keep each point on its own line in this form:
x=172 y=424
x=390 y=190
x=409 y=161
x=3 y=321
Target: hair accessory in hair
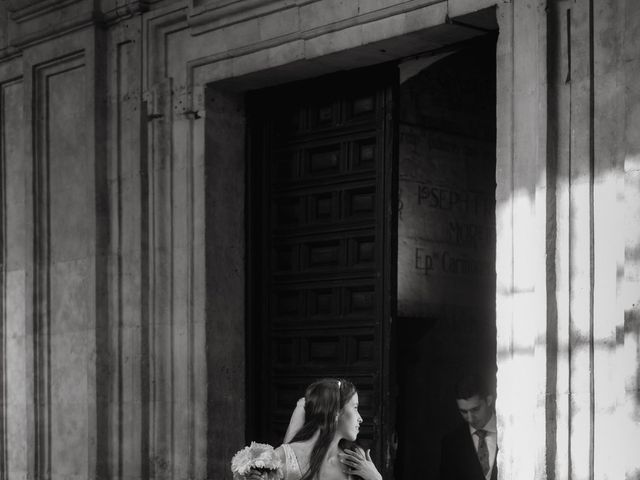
x=339 y=383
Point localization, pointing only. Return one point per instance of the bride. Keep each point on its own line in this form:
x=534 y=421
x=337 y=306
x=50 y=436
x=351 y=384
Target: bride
x=324 y=421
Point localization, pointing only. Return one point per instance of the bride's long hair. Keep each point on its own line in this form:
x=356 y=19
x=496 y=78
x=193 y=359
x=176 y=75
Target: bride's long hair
x=323 y=401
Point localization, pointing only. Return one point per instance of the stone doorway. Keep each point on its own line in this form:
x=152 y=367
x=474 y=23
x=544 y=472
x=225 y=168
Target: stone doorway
x=408 y=347
x=441 y=153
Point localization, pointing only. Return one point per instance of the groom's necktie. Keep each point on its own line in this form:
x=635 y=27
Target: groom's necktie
x=483 y=451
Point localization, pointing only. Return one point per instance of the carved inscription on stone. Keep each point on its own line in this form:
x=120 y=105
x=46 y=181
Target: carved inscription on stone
x=446 y=220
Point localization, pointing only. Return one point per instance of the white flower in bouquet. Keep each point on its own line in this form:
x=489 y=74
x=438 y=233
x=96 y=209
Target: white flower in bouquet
x=259 y=457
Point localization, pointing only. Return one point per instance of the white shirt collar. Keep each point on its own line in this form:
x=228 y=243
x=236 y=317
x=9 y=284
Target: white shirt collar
x=490 y=426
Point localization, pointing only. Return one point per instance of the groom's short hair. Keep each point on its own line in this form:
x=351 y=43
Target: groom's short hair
x=474 y=383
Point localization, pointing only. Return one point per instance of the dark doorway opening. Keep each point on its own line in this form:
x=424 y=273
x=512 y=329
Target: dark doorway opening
x=371 y=246
x=446 y=243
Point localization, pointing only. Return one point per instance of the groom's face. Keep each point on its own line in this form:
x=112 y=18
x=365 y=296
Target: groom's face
x=476 y=410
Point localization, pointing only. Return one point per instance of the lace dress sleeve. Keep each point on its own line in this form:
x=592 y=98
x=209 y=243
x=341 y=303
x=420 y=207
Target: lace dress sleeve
x=291 y=466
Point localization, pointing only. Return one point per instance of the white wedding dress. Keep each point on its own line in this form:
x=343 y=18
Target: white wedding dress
x=291 y=466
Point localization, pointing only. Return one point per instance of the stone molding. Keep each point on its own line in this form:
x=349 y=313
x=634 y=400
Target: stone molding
x=31 y=23
x=120 y=12
x=28 y=11
x=46 y=20
x=205 y=17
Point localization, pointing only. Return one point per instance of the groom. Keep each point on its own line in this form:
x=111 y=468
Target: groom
x=469 y=451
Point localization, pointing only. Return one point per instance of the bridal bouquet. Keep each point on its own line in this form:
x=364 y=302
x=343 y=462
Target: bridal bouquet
x=258 y=457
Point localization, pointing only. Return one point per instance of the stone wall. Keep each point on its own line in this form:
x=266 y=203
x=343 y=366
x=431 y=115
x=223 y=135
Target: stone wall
x=55 y=258
x=113 y=214
x=567 y=219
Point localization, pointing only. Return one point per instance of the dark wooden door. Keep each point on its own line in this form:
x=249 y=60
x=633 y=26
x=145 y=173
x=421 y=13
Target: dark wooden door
x=321 y=247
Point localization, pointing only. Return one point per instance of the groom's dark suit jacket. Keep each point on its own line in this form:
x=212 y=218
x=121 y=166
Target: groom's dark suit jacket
x=459 y=460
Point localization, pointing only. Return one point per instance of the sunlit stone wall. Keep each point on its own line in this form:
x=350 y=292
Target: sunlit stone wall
x=567 y=222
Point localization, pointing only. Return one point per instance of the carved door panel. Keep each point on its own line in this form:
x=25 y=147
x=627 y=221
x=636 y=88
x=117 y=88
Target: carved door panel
x=321 y=257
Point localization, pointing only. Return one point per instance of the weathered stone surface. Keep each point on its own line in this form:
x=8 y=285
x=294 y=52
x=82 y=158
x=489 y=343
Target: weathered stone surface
x=14 y=171
x=14 y=365
x=319 y=14
x=72 y=296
